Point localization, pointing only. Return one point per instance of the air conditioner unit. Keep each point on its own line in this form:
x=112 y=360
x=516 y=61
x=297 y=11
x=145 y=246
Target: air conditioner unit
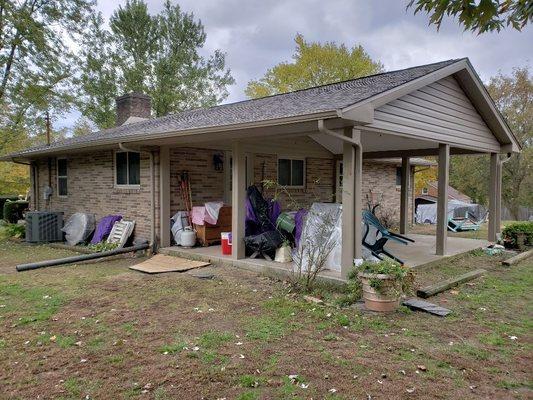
x=42 y=226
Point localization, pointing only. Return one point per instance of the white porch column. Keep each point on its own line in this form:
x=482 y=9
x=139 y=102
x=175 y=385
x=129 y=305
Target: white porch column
x=351 y=201
x=442 y=201
x=493 y=197
x=238 y=211
x=164 y=196
x=404 y=196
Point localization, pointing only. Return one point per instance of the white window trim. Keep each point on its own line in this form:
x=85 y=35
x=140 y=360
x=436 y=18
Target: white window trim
x=62 y=176
x=124 y=186
x=425 y=190
x=281 y=157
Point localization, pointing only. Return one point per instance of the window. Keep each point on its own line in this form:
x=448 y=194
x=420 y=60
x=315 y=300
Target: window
x=398 y=176
x=62 y=189
x=291 y=172
x=425 y=190
x=127 y=168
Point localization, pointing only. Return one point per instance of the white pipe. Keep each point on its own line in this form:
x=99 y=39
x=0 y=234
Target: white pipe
x=152 y=191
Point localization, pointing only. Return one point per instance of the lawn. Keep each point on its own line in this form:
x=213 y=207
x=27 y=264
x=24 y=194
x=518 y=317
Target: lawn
x=103 y=331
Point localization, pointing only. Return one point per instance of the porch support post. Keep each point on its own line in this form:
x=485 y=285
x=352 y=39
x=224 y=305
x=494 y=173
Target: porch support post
x=404 y=196
x=442 y=201
x=238 y=199
x=499 y=200
x=164 y=196
x=493 y=197
x=351 y=201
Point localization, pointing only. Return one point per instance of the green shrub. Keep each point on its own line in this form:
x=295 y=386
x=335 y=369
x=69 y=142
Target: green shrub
x=403 y=276
x=3 y=200
x=103 y=246
x=13 y=210
x=15 y=230
x=511 y=232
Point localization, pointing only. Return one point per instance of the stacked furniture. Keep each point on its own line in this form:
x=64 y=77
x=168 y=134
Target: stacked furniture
x=209 y=234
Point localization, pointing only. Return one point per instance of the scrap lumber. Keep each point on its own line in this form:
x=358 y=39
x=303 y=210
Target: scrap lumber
x=519 y=257
x=438 y=287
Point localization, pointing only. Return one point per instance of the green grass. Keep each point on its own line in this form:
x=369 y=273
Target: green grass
x=172 y=348
x=35 y=303
x=140 y=317
x=214 y=339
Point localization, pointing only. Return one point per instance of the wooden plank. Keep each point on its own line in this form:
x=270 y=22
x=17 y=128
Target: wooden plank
x=432 y=290
x=519 y=257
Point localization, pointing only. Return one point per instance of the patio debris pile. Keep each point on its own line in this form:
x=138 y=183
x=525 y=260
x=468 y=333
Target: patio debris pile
x=281 y=235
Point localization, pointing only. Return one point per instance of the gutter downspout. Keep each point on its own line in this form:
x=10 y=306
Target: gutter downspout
x=153 y=245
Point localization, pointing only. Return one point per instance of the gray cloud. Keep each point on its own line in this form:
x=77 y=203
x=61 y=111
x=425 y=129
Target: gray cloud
x=259 y=34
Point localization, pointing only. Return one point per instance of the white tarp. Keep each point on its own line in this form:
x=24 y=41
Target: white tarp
x=427 y=213
x=78 y=227
x=324 y=223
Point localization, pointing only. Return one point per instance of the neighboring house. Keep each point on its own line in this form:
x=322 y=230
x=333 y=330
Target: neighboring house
x=297 y=139
x=429 y=194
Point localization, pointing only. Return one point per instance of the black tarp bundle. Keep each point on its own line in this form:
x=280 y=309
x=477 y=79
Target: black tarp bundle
x=258 y=217
x=264 y=243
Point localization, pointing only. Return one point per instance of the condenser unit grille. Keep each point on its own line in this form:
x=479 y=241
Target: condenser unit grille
x=44 y=226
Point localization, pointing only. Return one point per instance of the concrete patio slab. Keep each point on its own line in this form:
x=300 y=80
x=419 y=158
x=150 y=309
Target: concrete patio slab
x=415 y=255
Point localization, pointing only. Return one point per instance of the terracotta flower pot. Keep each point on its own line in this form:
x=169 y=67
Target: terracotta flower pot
x=386 y=299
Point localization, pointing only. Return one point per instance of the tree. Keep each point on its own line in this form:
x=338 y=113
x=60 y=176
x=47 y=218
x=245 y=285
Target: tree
x=314 y=64
x=36 y=72
x=513 y=95
x=153 y=54
x=82 y=127
x=97 y=81
x=478 y=16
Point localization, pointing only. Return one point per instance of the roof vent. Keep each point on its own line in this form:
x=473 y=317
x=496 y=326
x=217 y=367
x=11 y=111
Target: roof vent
x=133 y=107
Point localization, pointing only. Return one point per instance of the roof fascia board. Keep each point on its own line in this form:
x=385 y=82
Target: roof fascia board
x=363 y=114
x=473 y=86
x=184 y=133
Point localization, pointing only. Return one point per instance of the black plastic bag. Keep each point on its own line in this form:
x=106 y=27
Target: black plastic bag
x=264 y=243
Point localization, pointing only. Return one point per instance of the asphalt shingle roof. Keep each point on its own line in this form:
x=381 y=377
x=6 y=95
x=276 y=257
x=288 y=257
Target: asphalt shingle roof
x=319 y=99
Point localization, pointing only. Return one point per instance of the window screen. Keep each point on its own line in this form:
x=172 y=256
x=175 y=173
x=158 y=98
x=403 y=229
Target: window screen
x=398 y=176
x=62 y=189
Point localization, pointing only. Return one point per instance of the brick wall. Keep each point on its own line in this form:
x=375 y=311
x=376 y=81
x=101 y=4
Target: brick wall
x=206 y=183
x=91 y=189
x=91 y=184
x=321 y=179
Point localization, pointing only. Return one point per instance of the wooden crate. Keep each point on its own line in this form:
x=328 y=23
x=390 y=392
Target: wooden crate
x=208 y=234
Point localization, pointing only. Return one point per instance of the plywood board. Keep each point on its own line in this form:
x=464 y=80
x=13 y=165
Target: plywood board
x=162 y=263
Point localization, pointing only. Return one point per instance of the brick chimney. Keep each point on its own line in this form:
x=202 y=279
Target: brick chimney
x=133 y=107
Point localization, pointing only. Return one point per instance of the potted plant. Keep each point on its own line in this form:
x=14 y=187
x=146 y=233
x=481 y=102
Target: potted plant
x=383 y=284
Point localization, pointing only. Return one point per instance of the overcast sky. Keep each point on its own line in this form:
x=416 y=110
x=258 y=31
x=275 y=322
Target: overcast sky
x=257 y=34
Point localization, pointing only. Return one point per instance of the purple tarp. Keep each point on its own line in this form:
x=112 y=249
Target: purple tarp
x=103 y=229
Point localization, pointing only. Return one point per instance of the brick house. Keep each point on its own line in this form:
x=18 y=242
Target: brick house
x=337 y=142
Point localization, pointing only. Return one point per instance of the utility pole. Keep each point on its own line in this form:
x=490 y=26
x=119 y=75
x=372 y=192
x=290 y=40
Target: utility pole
x=47 y=119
